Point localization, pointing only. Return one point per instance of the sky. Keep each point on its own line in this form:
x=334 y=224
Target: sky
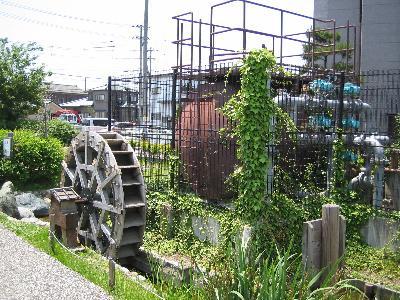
x=92 y=39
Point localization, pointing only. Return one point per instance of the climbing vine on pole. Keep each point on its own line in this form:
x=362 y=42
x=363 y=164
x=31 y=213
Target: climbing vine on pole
x=253 y=111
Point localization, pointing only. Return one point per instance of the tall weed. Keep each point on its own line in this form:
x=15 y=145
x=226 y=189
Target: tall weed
x=279 y=276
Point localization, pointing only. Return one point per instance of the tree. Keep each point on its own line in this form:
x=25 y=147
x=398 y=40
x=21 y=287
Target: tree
x=21 y=82
x=324 y=49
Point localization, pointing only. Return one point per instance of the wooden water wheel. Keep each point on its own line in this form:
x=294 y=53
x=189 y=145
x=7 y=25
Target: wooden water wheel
x=103 y=169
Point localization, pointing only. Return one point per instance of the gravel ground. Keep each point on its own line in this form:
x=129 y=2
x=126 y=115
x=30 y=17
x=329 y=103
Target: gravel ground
x=26 y=273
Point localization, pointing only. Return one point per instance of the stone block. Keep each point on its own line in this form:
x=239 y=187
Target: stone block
x=379 y=232
x=167 y=220
x=206 y=229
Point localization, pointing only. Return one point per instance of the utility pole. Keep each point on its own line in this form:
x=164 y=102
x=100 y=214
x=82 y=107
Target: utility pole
x=149 y=66
x=109 y=108
x=145 y=71
x=141 y=72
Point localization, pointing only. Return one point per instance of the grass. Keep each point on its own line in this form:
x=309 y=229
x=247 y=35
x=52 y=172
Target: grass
x=89 y=264
x=378 y=266
x=94 y=267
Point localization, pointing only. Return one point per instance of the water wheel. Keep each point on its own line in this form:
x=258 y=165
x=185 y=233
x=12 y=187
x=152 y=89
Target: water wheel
x=103 y=169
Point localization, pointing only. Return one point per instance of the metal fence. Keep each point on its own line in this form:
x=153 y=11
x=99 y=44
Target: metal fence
x=381 y=89
x=177 y=124
x=177 y=133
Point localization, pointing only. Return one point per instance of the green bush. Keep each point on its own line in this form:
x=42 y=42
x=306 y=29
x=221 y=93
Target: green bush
x=36 y=160
x=33 y=125
x=62 y=130
x=151 y=148
x=58 y=129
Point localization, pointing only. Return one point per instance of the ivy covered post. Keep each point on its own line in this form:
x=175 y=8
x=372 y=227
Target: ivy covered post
x=253 y=110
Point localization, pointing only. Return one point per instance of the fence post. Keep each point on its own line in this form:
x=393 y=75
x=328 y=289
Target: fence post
x=270 y=151
x=51 y=236
x=173 y=123
x=330 y=234
x=111 y=273
x=341 y=99
x=324 y=241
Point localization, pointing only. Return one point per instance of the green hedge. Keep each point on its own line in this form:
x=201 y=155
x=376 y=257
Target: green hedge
x=58 y=129
x=152 y=148
x=36 y=160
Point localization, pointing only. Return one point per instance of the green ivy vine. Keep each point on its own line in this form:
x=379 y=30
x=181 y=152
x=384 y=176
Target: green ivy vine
x=257 y=119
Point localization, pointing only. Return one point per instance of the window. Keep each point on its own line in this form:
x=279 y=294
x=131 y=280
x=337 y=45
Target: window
x=156 y=90
x=156 y=116
x=100 y=122
x=101 y=114
x=100 y=97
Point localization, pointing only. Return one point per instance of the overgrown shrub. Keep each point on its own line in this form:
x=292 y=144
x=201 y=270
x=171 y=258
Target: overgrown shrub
x=179 y=236
x=61 y=130
x=36 y=160
x=151 y=148
x=33 y=125
x=58 y=129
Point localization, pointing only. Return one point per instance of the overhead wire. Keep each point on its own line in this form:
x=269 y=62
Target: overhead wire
x=77 y=76
x=33 y=21
x=100 y=49
x=9 y=3
x=106 y=48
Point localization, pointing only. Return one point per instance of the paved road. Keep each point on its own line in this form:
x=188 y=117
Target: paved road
x=26 y=273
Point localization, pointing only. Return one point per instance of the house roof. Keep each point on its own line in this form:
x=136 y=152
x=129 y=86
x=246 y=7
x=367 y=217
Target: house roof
x=64 y=88
x=77 y=103
x=126 y=104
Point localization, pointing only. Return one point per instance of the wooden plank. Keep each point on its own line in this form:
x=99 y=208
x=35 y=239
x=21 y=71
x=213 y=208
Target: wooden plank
x=312 y=234
x=330 y=234
x=111 y=273
x=342 y=236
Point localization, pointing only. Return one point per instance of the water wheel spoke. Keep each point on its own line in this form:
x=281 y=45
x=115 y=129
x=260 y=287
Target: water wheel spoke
x=107 y=207
x=83 y=218
x=68 y=171
x=101 y=219
x=93 y=181
x=105 y=181
x=96 y=166
x=95 y=233
x=81 y=175
x=76 y=175
x=107 y=233
x=104 y=196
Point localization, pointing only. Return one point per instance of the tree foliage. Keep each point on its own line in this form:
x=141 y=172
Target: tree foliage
x=21 y=82
x=61 y=130
x=324 y=49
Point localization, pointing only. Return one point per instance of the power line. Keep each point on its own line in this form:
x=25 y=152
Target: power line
x=101 y=49
x=20 y=18
x=64 y=16
x=77 y=76
x=132 y=58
